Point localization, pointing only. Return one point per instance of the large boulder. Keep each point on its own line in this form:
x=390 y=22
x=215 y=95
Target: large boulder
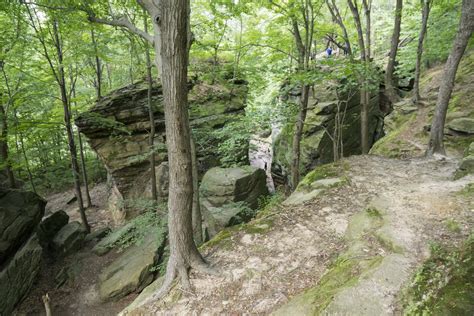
x=133 y=270
x=317 y=145
x=467 y=163
x=463 y=125
x=18 y=274
x=69 y=238
x=225 y=193
x=50 y=226
x=117 y=128
x=20 y=213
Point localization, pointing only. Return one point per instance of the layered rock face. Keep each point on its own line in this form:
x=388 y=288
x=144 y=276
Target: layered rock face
x=325 y=111
x=20 y=251
x=117 y=128
x=20 y=213
x=228 y=196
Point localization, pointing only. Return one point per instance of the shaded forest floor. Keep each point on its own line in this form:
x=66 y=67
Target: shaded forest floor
x=71 y=281
x=266 y=263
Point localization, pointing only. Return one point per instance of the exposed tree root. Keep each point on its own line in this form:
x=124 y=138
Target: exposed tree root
x=180 y=271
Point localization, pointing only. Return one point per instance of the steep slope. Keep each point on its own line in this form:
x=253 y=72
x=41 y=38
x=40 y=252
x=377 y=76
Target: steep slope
x=360 y=242
x=407 y=127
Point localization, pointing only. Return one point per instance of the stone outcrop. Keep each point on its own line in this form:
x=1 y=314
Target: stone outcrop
x=133 y=270
x=227 y=195
x=50 y=226
x=20 y=213
x=18 y=275
x=69 y=238
x=463 y=125
x=316 y=144
x=20 y=252
x=117 y=129
x=467 y=163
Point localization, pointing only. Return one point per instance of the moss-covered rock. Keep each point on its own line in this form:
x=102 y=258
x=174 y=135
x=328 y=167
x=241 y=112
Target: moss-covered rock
x=343 y=273
x=230 y=194
x=117 y=128
x=463 y=125
x=133 y=270
x=317 y=145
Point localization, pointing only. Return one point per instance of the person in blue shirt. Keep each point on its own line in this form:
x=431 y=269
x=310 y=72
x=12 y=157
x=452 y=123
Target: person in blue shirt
x=329 y=51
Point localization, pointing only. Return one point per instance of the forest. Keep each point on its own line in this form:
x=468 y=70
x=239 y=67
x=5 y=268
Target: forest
x=236 y=157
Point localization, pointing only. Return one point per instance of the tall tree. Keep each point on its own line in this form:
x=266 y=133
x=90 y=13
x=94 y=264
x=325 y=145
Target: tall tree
x=171 y=39
x=426 y=6
x=302 y=17
x=151 y=117
x=97 y=67
x=367 y=5
x=464 y=33
x=56 y=64
x=364 y=93
x=389 y=71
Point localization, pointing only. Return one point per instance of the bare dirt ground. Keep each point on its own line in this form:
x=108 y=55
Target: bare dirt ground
x=261 y=271
x=97 y=214
x=78 y=295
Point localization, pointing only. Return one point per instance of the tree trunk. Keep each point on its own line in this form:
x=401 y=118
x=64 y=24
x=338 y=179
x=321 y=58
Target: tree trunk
x=333 y=9
x=295 y=163
x=367 y=8
x=465 y=30
x=173 y=37
x=4 y=153
x=27 y=164
x=98 y=67
x=419 y=52
x=197 y=217
x=84 y=170
x=69 y=131
x=154 y=194
x=364 y=94
x=389 y=85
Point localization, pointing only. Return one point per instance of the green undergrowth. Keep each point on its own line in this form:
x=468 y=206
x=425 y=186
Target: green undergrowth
x=444 y=285
x=139 y=227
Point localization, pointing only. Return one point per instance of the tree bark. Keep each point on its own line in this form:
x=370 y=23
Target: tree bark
x=67 y=122
x=84 y=171
x=98 y=67
x=367 y=8
x=295 y=165
x=174 y=27
x=389 y=85
x=364 y=93
x=333 y=9
x=419 y=52
x=465 y=30
x=151 y=117
x=197 y=217
x=304 y=53
x=4 y=152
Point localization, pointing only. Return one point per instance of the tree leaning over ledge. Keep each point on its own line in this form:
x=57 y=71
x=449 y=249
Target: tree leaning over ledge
x=465 y=30
x=171 y=39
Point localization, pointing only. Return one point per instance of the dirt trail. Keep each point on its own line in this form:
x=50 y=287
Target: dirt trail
x=264 y=266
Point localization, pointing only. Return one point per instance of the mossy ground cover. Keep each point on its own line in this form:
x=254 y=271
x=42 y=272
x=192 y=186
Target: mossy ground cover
x=444 y=285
